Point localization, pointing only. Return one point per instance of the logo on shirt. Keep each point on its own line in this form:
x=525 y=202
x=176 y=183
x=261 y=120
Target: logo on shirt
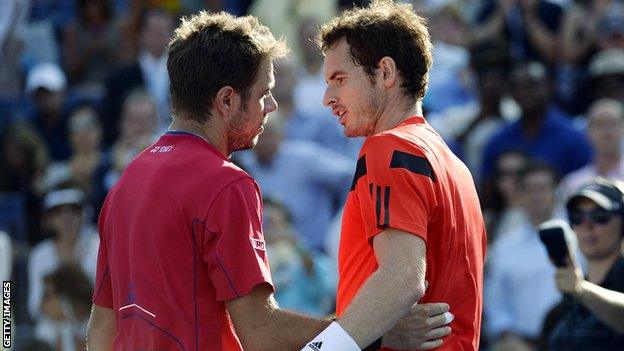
x=315 y=345
x=161 y=149
x=258 y=244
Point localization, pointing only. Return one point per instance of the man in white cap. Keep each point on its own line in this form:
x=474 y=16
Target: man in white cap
x=46 y=86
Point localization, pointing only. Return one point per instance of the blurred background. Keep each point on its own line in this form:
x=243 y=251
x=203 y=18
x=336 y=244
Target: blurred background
x=528 y=93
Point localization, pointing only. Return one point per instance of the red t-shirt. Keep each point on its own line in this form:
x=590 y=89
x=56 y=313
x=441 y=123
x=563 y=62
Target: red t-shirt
x=180 y=234
x=408 y=179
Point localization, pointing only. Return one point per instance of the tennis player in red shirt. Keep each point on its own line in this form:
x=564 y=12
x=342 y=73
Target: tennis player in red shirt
x=413 y=214
x=182 y=261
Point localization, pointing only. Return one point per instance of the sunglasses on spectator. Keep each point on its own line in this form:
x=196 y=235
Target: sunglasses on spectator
x=596 y=215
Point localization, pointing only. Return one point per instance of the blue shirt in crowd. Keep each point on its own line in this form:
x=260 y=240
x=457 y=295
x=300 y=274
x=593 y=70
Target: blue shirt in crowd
x=309 y=179
x=557 y=142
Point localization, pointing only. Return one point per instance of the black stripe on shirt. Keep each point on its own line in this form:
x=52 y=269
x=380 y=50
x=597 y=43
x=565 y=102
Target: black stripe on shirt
x=360 y=171
x=412 y=163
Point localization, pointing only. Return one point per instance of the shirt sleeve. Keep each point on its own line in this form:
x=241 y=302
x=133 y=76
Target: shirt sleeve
x=396 y=187
x=235 y=251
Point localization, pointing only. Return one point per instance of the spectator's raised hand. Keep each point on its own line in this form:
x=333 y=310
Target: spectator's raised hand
x=570 y=278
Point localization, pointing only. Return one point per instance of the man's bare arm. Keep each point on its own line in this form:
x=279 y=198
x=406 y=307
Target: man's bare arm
x=388 y=294
x=101 y=329
x=261 y=325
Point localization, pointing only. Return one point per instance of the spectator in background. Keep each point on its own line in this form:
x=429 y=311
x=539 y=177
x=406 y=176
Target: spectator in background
x=46 y=85
x=71 y=240
x=530 y=27
x=66 y=305
x=321 y=129
x=611 y=27
x=606 y=134
x=471 y=125
x=503 y=201
x=519 y=287
x=88 y=46
x=138 y=129
x=590 y=27
x=594 y=320
x=449 y=83
x=606 y=71
x=88 y=164
x=6 y=256
x=308 y=178
x=23 y=159
x=286 y=17
x=581 y=29
x=12 y=22
x=310 y=84
x=543 y=131
x=149 y=71
x=305 y=281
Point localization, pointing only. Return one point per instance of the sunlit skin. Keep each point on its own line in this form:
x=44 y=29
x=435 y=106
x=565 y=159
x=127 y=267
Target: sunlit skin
x=598 y=241
x=235 y=124
x=350 y=93
x=246 y=125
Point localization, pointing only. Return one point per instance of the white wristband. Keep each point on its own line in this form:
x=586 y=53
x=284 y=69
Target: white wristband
x=332 y=338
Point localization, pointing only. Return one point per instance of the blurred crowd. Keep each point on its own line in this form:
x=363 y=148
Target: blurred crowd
x=528 y=93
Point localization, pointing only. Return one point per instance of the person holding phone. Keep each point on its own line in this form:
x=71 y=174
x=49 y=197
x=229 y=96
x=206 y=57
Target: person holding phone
x=594 y=320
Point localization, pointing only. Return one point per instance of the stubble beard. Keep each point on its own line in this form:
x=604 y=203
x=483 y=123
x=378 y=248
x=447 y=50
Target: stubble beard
x=237 y=136
x=369 y=115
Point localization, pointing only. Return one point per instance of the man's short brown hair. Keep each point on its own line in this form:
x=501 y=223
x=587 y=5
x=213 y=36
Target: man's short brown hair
x=211 y=50
x=385 y=29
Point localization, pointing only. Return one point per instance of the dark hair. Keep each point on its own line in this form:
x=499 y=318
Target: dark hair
x=209 y=51
x=70 y=281
x=278 y=204
x=489 y=55
x=539 y=166
x=385 y=29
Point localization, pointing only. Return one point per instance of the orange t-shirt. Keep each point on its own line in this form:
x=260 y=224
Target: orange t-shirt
x=408 y=179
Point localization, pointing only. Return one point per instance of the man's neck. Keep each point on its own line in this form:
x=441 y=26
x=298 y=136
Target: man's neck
x=395 y=113
x=597 y=269
x=531 y=123
x=213 y=133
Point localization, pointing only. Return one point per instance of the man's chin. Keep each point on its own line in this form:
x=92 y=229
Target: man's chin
x=246 y=146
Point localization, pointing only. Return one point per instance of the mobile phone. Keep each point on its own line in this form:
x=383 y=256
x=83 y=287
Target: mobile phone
x=553 y=235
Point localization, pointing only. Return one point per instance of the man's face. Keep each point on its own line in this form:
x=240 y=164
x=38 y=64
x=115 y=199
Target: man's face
x=245 y=127
x=65 y=220
x=606 y=130
x=596 y=240
x=530 y=89
x=139 y=120
x=350 y=93
x=539 y=193
x=156 y=33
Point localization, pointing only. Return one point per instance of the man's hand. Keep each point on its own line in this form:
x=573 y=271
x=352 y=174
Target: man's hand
x=421 y=329
x=570 y=279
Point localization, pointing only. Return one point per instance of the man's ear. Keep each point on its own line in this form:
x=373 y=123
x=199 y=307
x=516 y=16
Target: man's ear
x=227 y=100
x=387 y=71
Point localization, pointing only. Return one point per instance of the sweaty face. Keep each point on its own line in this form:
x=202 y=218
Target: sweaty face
x=243 y=130
x=350 y=93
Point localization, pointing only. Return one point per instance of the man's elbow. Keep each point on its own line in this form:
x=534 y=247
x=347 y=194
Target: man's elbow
x=410 y=280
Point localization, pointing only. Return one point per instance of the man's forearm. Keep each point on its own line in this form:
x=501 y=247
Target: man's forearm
x=101 y=329
x=384 y=299
x=607 y=305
